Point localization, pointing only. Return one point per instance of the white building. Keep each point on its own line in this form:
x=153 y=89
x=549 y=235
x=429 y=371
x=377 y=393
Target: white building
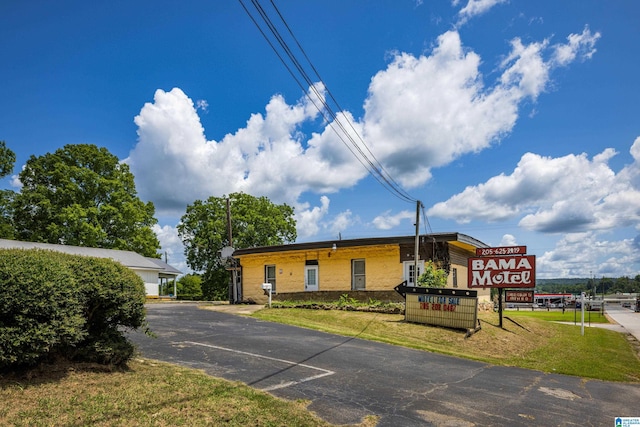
x=151 y=270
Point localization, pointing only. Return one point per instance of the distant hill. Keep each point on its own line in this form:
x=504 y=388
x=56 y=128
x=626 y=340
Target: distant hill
x=572 y=281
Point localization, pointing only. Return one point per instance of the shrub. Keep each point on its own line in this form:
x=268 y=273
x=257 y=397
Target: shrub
x=113 y=299
x=40 y=307
x=433 y=277
x=54 y=304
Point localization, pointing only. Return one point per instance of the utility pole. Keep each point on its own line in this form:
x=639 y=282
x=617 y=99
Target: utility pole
x=233 y=291
x=416 y=253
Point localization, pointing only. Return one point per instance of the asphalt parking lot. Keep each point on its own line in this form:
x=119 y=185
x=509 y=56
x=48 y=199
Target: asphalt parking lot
x=346 y=378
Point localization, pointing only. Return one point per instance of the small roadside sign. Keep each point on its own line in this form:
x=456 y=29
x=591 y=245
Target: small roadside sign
x=501 y=250
x=518 y=296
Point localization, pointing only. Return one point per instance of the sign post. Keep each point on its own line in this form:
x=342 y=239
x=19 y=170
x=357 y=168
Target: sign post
x=502 y=267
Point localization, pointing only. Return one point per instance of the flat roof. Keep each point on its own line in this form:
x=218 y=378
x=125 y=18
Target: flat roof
x=457 y=239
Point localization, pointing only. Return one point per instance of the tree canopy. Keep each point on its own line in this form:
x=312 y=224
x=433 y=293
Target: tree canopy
x=7 y=160
x=82 y=195
x=255 y=221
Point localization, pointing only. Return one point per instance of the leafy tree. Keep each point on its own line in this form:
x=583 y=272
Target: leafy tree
x=7 y=160
x=7 y=230
x=256 y=221
x=82 y=195
x=190 y=284
x=188 y=287
x=433 y=277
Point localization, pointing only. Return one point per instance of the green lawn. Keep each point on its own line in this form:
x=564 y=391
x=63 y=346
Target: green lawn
x=557 y=315
x=530 y=341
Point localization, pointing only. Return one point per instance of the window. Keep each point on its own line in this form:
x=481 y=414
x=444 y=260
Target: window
x=358 y=281
x=455 y=277
x=270 y=276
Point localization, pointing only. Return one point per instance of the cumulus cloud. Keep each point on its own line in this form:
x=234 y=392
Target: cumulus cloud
x=577 y=252
x=387 y=221
x=508 y=240
x=424 y=112
x=172 y=247
x=564 y=194
x=420 y=113
x=341 y=222
x=309 y=220
x=175 y=164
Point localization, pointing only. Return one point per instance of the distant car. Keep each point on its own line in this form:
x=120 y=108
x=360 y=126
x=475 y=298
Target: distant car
x=626 y=304
x=553 y=305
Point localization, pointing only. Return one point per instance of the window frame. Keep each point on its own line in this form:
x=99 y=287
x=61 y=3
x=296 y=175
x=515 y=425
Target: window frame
x=268 y=279
x=354 y=274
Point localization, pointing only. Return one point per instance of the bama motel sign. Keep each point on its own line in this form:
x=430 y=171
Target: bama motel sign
x=502 y=272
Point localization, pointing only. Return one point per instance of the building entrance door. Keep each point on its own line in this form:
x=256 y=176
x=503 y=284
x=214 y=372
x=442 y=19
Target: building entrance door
x=311 y=278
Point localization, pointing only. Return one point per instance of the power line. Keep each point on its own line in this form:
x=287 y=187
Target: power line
x=427 y=225
x=368 y=161
x=335 y=101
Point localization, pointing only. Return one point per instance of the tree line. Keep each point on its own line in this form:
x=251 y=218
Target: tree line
x=82 y=195
x=592 y=286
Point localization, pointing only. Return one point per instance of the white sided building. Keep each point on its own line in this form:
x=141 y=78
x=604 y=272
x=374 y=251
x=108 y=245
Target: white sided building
x=151 y=270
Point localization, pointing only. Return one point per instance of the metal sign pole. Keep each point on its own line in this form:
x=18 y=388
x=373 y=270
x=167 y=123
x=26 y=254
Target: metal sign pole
x=582 y=309
x=500 y=304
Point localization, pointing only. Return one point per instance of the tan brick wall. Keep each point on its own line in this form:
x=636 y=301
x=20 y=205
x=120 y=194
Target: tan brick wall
x=383 y=271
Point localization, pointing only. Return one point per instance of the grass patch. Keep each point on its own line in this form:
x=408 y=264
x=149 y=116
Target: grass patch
x=148 y=393
x=558 y=316
x=543 y=345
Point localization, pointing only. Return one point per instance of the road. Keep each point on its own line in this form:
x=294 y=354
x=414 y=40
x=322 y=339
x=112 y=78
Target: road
x=347 y=378
x=625 y=317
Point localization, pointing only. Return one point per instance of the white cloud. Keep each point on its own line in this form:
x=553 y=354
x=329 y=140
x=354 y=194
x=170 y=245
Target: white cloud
x=475 y=8
x=508 y=240
x=341 y=222
x=579 y=45
x=386 y=221
x=175 y=164
x=421 y=112
x=424 y=112
x=586 y=254
x=172 y=247
x=309 y=220
x=564 y=194
x=202 y=105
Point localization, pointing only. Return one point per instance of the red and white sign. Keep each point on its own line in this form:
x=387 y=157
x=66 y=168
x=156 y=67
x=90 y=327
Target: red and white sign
x=518 y=296
x=502 y=272
x=502 y=250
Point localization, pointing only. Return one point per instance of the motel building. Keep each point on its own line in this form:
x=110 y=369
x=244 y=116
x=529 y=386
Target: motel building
x=363 y=268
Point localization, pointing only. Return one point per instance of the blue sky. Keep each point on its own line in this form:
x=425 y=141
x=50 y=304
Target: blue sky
x=515 y=122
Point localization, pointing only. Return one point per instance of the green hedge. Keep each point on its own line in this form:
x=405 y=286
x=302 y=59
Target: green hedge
x=59 y=305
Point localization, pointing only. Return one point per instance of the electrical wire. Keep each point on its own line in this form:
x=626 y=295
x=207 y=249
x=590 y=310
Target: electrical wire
x=335 y=101
x=426 y=224
x=368 y=161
